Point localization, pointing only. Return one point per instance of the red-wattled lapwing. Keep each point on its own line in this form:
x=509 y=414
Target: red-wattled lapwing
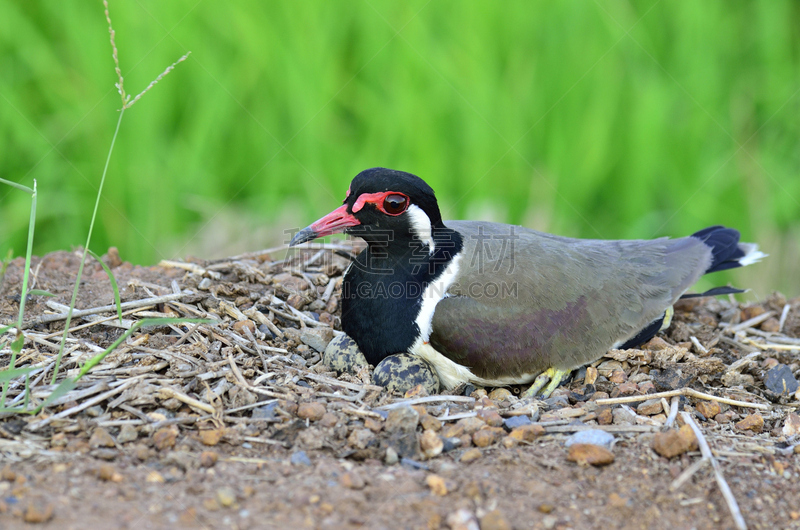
x=495 y=304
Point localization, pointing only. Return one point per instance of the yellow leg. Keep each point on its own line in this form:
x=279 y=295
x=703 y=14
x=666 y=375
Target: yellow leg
x=554 y=375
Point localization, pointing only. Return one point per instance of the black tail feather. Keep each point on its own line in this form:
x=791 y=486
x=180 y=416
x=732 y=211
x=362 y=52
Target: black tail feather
x=725 y=249
x=716 y=291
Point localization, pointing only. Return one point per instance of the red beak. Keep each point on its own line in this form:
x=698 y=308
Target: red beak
x=333 y=223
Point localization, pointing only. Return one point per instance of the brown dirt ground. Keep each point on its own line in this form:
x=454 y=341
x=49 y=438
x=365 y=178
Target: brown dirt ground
x=168 y=476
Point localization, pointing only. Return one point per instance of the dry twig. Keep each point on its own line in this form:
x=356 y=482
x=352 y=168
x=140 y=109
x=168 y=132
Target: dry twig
x=733 y=506
x=688 y=392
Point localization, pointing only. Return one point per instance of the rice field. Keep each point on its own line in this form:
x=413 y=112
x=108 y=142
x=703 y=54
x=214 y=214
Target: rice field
x=601 y=119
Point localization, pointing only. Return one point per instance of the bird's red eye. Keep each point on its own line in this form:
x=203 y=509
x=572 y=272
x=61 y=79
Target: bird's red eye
x=395 y=204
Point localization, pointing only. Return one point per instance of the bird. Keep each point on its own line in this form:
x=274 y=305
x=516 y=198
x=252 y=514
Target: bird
x=493 y=304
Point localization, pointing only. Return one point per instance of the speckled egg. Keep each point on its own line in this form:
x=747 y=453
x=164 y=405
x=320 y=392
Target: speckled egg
x=343 y=356
x=402 y=372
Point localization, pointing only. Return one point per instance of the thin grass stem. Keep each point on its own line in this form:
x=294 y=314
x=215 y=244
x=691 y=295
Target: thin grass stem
x=85 y=250
x=16 y=345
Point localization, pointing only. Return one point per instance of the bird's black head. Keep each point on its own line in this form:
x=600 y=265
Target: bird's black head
x=382 y=205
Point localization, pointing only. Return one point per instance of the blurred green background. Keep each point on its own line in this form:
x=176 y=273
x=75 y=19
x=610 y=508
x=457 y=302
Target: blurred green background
x=607 y=119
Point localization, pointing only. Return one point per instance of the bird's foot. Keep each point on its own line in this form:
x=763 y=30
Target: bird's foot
x=554 y=375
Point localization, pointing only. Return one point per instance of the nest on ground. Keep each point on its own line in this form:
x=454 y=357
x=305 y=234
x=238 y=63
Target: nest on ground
x=254 y=376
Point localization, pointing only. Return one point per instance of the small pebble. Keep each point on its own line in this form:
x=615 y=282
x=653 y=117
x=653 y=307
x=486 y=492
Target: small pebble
x=37 y=512
x=266 y=412
x=486 y=437
x=470 y=455
x=436 y=484
x=557 y=402
x=617 y=377
x=607 y=367
x=500 y=394
x=430 y=444
x=753 y=422
x=360 y=438
x=708 y=409
x=300 y=458
x=791 y=426
x=771 y=325
x=470 y=425
x=527 y=433
x=164 y=438
x=462 y=520
x=353 y=481
x=208 y=458
x=657 y=344
x=491 y=417
x=780 y=380
x=127 y=433
x=317 y=338
x=623 y=416
x=646 y=387
x=516 y=421
x=587 y=454
x=450 y=443
x=592 y=437
x=211 y=436
x=240 y=326
x=627 y=388
x=428 y=422
x=154 y=477
x=675 y=442
x=617 y=501
x=101 y=438
x=604 y=416
x=751 y=312
x=95 y=411
x=650 y=407
x=108 y=473
x=391 y=457
x=330 y=419
x=401 y=424
x=313 y=411
x=226 y=496
x=723 y=418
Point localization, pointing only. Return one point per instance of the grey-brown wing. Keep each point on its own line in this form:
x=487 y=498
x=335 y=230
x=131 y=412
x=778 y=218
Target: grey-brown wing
x=525 y=301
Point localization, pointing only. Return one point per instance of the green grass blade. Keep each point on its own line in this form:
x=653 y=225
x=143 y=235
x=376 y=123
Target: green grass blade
x=65 y=386
x=16 y=346
x=85 y=249
x=8 y=375
x=5 y=328
x=20 y=187
x=39 y=292
x=113 y=281
x=94 y=361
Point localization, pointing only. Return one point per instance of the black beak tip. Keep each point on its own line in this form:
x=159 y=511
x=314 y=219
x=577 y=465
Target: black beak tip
x=306 y=234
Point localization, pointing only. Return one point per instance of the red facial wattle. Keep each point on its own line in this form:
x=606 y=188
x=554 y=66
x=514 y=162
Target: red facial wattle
x=387 y=202
x=379 y=201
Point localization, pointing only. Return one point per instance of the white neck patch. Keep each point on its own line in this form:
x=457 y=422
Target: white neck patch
x=434 y=293
x=421 y=226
